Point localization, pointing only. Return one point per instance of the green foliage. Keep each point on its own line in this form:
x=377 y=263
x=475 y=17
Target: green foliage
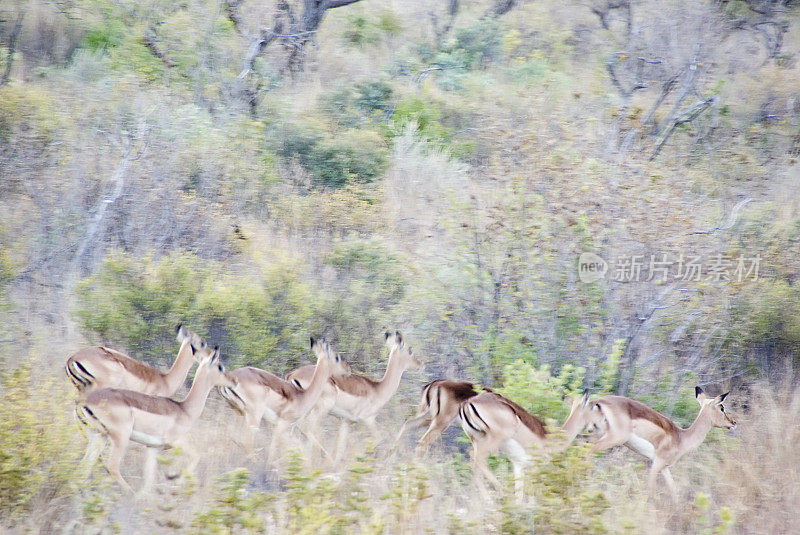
x=424 y=114
x=138 y=302
x=310 y=500
x=259 y=321
x=766 y=313
x=27 y=116
x=39 y=443
x=102 y=37
x=236 y=509
x=372 y=96
x=474 y=46
x=540 y=392
x=352 y=156
x=606 y=382
x=409 y=487
x=565 y=495
x=705 y=522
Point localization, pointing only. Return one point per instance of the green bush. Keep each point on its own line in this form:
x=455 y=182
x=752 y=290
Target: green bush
x=39 y=443
x=334 y=160
x=138 y=302
x=235 y=509
x=474 y=46
x=540 y=392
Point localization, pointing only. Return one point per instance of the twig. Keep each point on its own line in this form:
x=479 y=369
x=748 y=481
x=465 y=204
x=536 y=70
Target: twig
x=731 y=219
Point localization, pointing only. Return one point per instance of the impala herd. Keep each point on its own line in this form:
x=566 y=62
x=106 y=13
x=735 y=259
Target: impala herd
x=126 y=400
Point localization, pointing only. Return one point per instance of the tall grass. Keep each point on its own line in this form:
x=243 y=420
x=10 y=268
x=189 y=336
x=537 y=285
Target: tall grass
x=747 y=481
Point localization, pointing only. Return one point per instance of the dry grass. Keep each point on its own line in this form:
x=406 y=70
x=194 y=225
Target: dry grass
x=747 y=482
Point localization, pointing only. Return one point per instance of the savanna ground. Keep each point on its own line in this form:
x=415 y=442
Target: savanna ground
x=262 y=172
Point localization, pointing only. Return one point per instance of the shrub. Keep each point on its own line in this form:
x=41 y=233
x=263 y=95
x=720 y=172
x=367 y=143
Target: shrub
x=39 y=445
x=138 y=302
x=355 y=156
x=540 y=392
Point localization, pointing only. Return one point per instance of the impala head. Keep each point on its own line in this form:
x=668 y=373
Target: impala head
x=581 y=416
x=211 y=367
x=719 y=418
x=182 y=334
x=399 y=350
x=326 y=356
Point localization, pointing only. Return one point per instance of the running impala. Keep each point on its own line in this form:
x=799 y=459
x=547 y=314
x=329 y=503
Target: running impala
x=261 y=394
x=495 y=423
x=155 y=421
x=438 y=408
x=100 y=367
x=626 y=421
x=356 y=398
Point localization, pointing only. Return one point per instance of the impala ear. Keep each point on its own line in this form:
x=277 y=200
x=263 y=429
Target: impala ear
x=699 y=394
x=722 y=397
x=585 y=398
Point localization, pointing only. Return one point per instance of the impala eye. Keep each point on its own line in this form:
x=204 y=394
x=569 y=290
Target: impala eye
x=219 y=367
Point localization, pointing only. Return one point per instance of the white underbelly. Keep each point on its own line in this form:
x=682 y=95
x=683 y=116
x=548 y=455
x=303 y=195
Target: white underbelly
x=641 y=446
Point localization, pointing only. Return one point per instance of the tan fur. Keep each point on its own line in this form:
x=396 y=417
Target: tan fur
x=438 y=408
x=261 y=394
x=495 y=423
x=101 y=367
x=154 y=421
x=629 y=422
x=143 y=402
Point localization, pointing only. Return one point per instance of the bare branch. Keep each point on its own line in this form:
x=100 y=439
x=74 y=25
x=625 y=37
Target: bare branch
x=12 y=44
x=731 y=219
x=151 y=42
x=687 y=116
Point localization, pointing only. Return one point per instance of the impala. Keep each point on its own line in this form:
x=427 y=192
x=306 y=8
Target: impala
x=100 y=367
x=356 y=398
x=155 y=421
x=260 y=393
x=626 y=421
x=438 y=407
x=495 y=423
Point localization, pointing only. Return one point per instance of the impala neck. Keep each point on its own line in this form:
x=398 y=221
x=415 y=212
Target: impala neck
x=322 y=373
x=693 y=436
x=388 y=384
x=195 y=400
x=180 y=368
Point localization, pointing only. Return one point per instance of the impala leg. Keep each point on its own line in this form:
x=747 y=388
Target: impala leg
x=278 y=433
x=480 y=452
x=252 y=419
x=119 y=444
x=416 y=422
x=435 y=430
x=673 y=489
x=656 y=468
x=93 y=449
x=609 y=440
x=341 y=442
x=149 y=470
x=519 y=483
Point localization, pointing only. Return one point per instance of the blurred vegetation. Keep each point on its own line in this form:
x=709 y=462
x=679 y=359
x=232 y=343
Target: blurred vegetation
x=435 y=168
